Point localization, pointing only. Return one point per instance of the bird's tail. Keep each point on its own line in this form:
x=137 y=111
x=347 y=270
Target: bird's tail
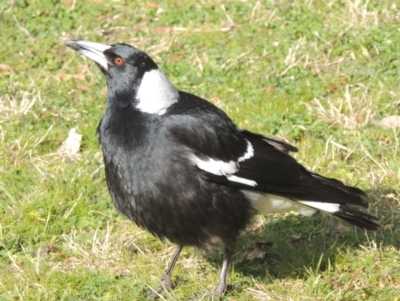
x=357 y=217
x=343 y=210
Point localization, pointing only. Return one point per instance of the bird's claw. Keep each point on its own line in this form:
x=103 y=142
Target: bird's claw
x=214 y=294
x=165 y=285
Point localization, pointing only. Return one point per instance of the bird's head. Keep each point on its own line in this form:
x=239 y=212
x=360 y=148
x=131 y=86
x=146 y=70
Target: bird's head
x=132 y=76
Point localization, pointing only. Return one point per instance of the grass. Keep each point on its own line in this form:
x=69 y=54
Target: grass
x=316 y=73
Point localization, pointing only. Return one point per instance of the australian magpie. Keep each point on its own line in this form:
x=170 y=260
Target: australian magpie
x=177 y=165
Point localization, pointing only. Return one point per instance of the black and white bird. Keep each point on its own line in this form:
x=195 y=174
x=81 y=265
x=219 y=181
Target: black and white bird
x=177 y=166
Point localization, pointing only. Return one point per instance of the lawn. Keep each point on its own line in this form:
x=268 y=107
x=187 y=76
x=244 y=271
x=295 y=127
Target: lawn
x=322 y=75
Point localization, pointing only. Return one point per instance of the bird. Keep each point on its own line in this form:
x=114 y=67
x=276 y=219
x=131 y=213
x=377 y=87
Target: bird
x=177 y=166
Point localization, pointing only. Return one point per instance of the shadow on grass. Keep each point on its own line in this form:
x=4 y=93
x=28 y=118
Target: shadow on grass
x=297 y=247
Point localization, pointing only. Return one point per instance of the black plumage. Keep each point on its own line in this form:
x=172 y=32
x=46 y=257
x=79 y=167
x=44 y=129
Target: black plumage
x=177 y=166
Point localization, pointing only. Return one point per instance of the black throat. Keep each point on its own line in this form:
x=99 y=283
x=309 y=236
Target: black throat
x=124 y=127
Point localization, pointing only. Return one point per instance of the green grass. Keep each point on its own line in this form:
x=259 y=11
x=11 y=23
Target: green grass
x=316 y=73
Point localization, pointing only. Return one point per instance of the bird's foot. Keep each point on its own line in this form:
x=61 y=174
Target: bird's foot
x=165 y=285
x=208 y=295
x=215 y=294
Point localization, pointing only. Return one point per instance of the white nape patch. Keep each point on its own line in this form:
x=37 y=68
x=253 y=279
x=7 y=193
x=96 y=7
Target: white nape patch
x=249 y=152
x=269 y=203
x=215 y=167
x=155 y=93
x=326 y=207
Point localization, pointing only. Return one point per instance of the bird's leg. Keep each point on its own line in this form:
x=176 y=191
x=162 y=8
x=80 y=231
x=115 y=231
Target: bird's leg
x=166 y=283
x=166 y=279
x=220 y=289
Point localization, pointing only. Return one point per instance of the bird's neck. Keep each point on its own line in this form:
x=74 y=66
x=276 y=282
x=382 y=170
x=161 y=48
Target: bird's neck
x=125 y=127
x=120 y=98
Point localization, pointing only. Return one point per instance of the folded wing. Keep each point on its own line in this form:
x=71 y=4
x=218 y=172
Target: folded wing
x=252 y=162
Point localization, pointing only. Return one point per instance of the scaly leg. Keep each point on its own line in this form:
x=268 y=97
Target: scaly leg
x=220 y=289
x=166 y=283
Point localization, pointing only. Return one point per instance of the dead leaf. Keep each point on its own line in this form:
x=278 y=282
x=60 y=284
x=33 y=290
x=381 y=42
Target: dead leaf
x=254 y=253
x=340 y=227
x=165 y=29
x=152 y=5
x=298 y=240
x=48 y=248
x=296 y=236
x=388 y=122
x=5 y=69
x=388 y=227
x=215 y=99
x=67 y=2
x=71 y=146
x=85 y=87
x=264 y=244
x=353 y=277
x=60 y=75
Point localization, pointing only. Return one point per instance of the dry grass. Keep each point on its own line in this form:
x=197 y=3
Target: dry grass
x=14 y=105
x=355 y=110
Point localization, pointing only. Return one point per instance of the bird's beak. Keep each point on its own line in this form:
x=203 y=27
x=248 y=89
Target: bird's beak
x=94 y=51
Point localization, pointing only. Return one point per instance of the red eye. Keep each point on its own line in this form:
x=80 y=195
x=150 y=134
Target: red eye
x=119 y=61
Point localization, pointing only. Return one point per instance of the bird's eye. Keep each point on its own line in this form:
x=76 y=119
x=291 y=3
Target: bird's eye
x=119 y=61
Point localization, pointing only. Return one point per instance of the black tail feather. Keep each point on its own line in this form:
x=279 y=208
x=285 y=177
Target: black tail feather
x=357 y=218
x=338 y=184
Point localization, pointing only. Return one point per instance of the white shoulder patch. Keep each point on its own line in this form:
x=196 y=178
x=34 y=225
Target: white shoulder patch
x=249 y=152
x=155 y=93
x=222 y=168
x=241 y=180
x=216 y=167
